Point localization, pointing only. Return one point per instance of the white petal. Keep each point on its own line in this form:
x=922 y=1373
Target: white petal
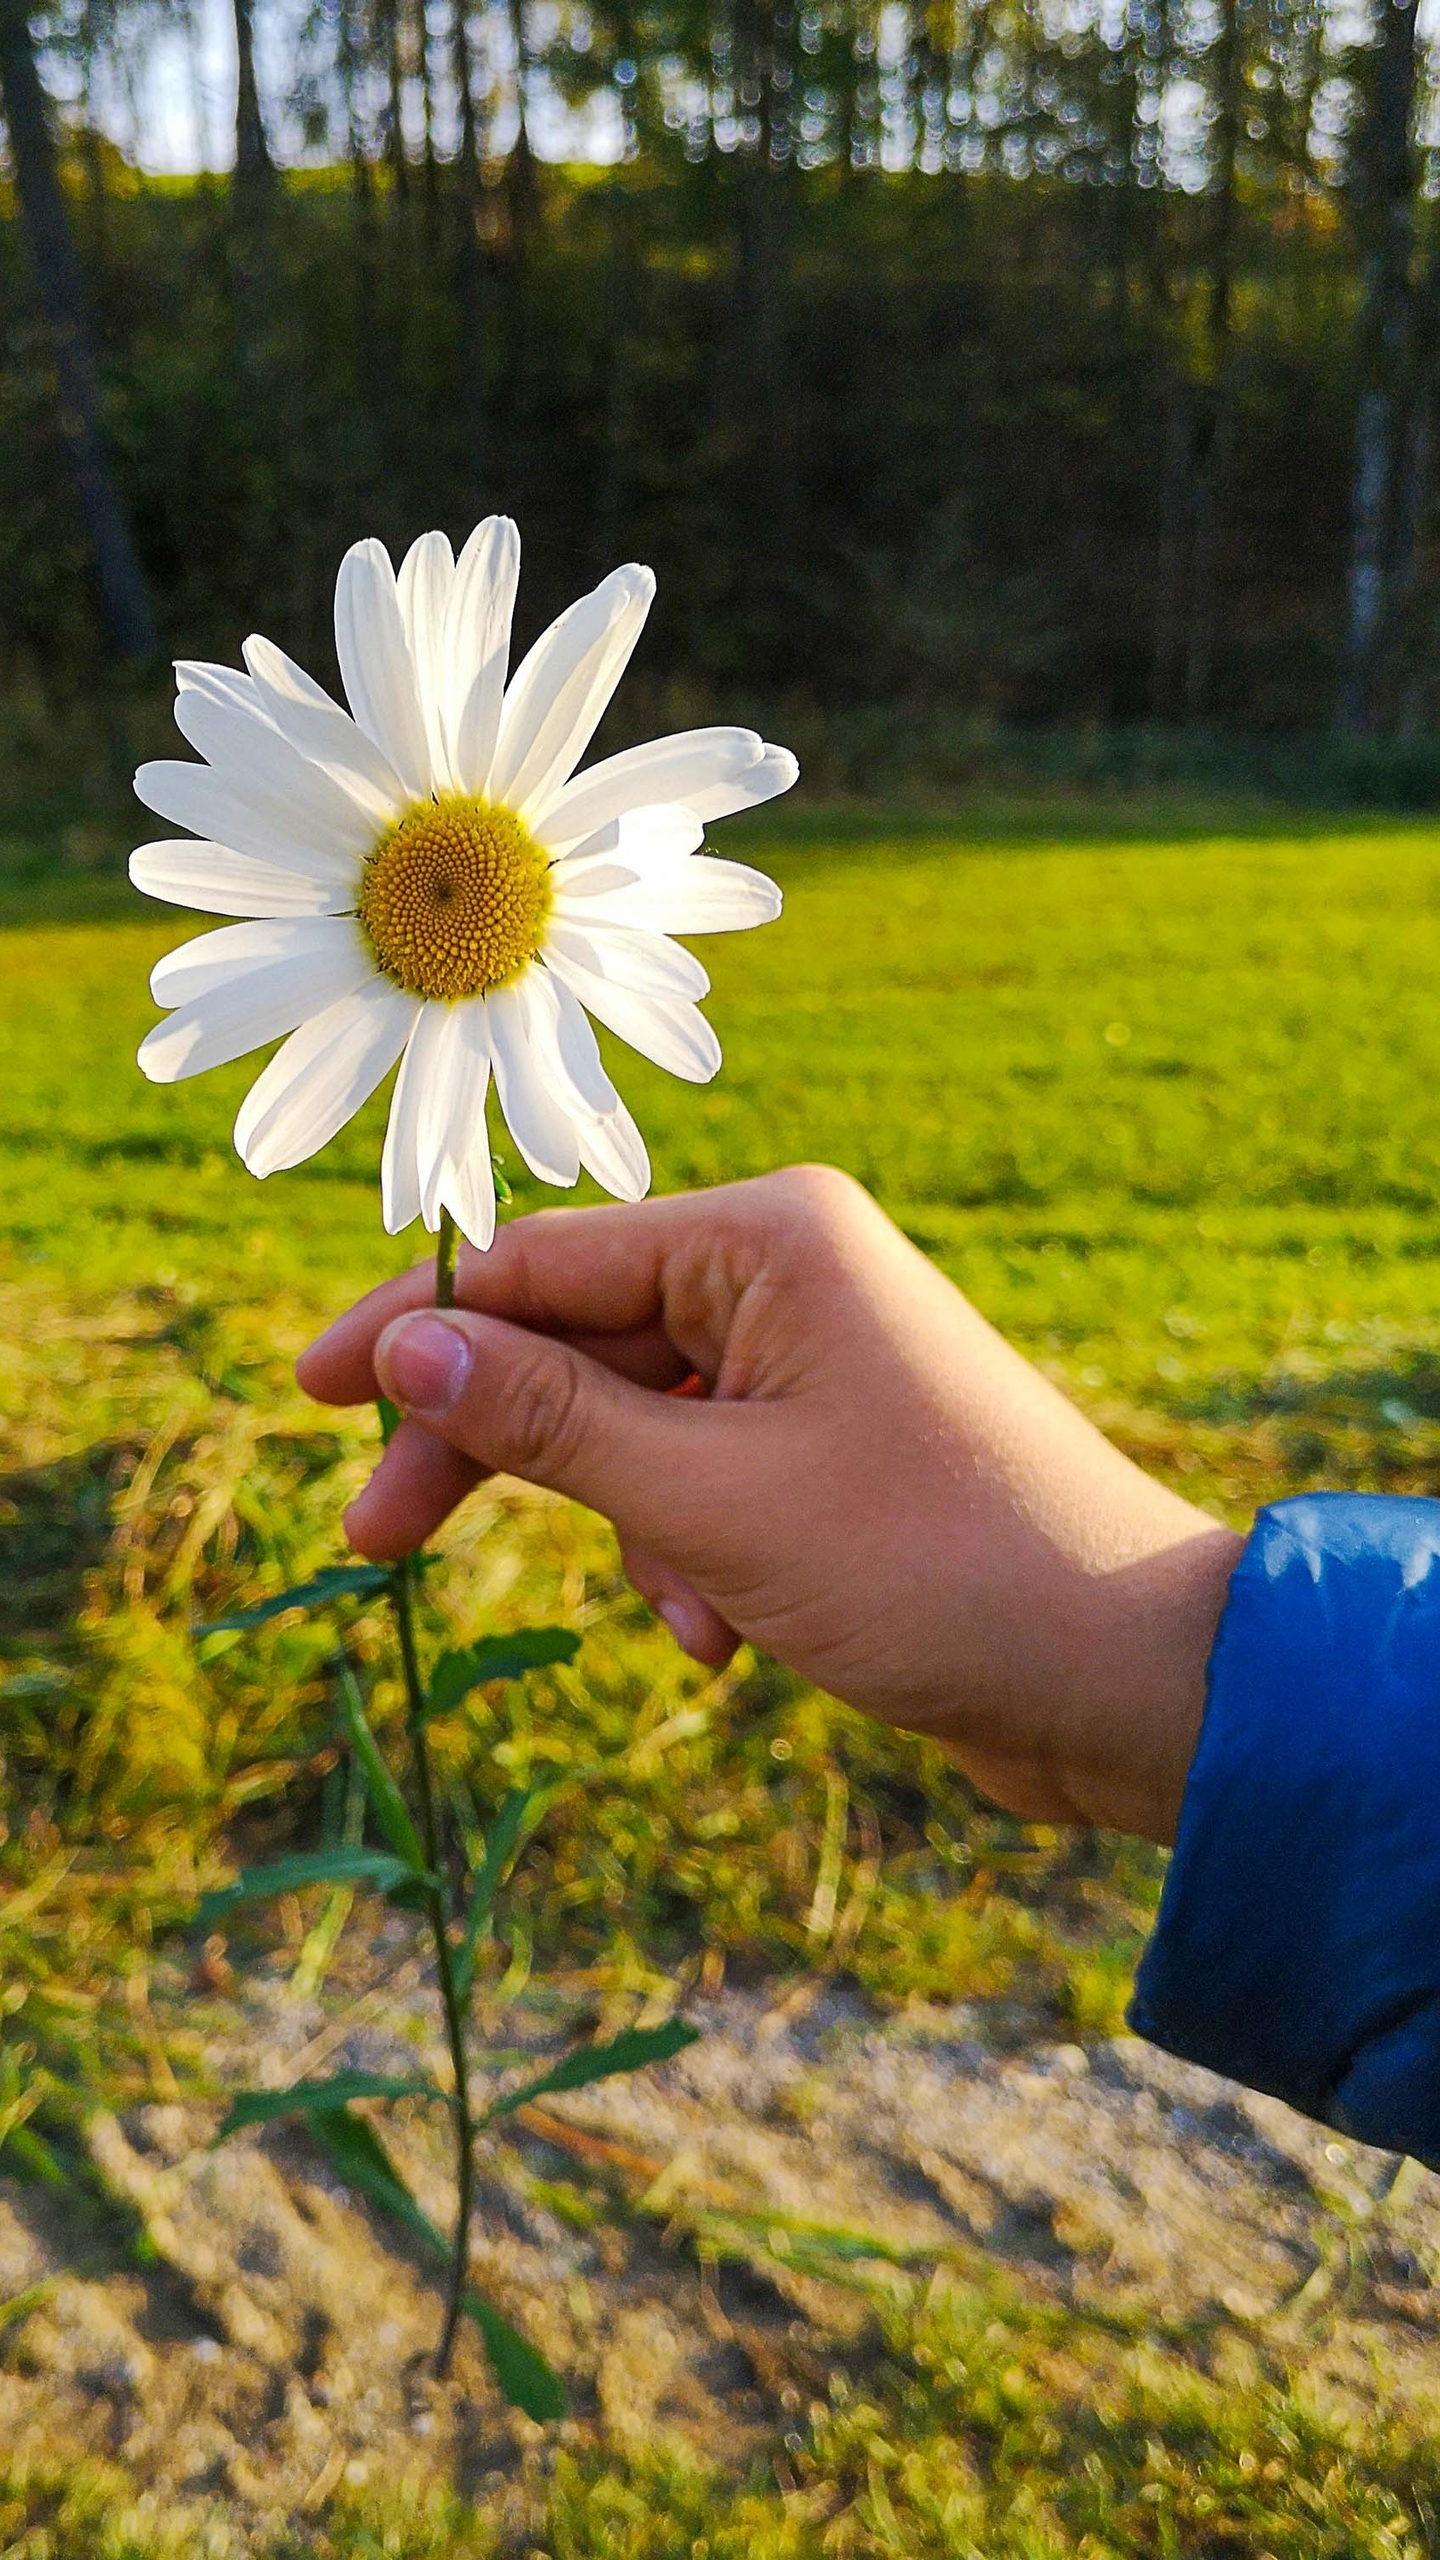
x=585 y=875
x=679 y=769
x=253 y=1006
x=246 y=748
x=660 y=1027
x=611 y=1146
x=469 y=1193
x=614 y=1151
x=621 y=851
x=376 y=665
x=271 y=803
x=541 y=1129
x=477 y=648
x=320 y=1078
x=220 y=684
x=280 y=674
x=427 y=573
x=400 y=1174
x=664 y=833
x=776 y=771
x=463 y=1177
x=644 y=962
x=303 y=712
x=555 y=700
x=214 y=958
x=218 y=882
x=432 y=1123
x=700 y=895
x=565 y=1045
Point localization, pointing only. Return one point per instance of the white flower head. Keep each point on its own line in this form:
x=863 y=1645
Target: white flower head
x=426 y=879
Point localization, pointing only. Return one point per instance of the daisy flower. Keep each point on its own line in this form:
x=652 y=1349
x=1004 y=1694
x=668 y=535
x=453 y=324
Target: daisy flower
x=427 y=880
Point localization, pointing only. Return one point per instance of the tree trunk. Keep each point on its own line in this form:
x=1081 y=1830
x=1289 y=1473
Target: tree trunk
x=395 y=151
x=254 y=168
x=129 y=615
x=1213 y=420
x=1174 y=546
x=522 y=182
x=470 y=261
x=1386 y=204
x=97 y=194
x=763 y=180
x=431 y=162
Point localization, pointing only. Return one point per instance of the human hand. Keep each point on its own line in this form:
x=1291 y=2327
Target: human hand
x=875 y=1487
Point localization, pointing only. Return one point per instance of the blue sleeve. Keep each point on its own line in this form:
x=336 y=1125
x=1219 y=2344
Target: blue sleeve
x=1298 y=1943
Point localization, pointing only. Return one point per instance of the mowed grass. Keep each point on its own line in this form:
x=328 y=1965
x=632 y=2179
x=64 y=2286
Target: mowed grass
x=1168 y=1110
x=1167 y=1105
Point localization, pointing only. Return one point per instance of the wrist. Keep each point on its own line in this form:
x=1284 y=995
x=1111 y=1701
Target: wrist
x=1088 y=1708
x=1137 y=1717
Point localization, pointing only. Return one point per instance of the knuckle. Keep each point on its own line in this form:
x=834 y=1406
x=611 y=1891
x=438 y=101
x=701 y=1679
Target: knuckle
x=537 y=1413
x=825 y=1196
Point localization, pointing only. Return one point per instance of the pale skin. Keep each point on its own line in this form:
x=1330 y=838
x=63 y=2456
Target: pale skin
x=873 y=1486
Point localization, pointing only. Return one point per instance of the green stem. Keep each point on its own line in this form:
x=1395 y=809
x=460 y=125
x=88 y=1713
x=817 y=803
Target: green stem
x=447 y=1252
x=403 y=1594
x=462 y=2112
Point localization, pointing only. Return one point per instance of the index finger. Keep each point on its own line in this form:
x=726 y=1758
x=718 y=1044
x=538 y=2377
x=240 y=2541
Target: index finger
x=611 y=1272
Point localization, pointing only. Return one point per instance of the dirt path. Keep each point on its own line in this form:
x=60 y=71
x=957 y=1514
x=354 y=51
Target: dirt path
x=696 y=2249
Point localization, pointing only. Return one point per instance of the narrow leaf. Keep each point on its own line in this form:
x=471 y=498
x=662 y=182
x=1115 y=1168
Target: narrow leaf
x=628 y=2052
x=338 y=1865
x=501 y=1842
x=336 y=1582
x=497 y=1658
x=365 y=2164
x=319 y=2097
x=389 y=1419
x=391 y=1811
x=20 y=2305
x=527 y=2380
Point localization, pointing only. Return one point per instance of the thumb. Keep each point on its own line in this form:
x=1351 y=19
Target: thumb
x=527 y=1405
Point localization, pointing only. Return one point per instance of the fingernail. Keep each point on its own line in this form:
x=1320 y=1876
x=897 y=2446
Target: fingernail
x=680 y=1618
x=423 y=1363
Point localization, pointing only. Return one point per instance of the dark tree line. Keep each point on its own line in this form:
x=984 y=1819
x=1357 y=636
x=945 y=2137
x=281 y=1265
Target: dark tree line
x=1059 y=358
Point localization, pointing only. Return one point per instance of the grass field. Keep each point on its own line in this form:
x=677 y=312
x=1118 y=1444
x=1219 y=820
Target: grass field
x=1163 y=1096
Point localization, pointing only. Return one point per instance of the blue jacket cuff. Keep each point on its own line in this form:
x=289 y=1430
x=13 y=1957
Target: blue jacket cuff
x=1298 y=1943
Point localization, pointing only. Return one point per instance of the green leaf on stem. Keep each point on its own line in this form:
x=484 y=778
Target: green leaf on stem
x=527 y=2380
x=334 y=1582
x=320 y=2097
x=628 y=2052
x=501 y=1842
x=337 y=1865
x=366 y=2165
x=496 y=1658
x=391 y=1810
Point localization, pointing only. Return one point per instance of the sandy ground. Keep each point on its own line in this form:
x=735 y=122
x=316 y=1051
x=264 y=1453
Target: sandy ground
x=237 y=2331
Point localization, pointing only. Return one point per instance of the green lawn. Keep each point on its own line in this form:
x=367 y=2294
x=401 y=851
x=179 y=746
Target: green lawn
x=1169 y=1110
x=1166 y=1104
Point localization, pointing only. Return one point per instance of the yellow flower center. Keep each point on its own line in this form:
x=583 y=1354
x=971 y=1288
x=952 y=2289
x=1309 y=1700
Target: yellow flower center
x=454 y=899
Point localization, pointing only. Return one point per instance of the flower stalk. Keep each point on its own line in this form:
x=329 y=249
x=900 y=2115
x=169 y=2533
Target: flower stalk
x=438 y=1909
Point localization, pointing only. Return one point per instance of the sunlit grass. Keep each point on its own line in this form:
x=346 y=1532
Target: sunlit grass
x=1168 y=1108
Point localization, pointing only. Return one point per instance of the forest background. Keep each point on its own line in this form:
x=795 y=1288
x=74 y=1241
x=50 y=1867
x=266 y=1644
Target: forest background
x=996 y=362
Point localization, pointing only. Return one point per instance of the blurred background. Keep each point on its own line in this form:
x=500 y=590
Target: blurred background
x=973 y=375
x=1030 y=410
